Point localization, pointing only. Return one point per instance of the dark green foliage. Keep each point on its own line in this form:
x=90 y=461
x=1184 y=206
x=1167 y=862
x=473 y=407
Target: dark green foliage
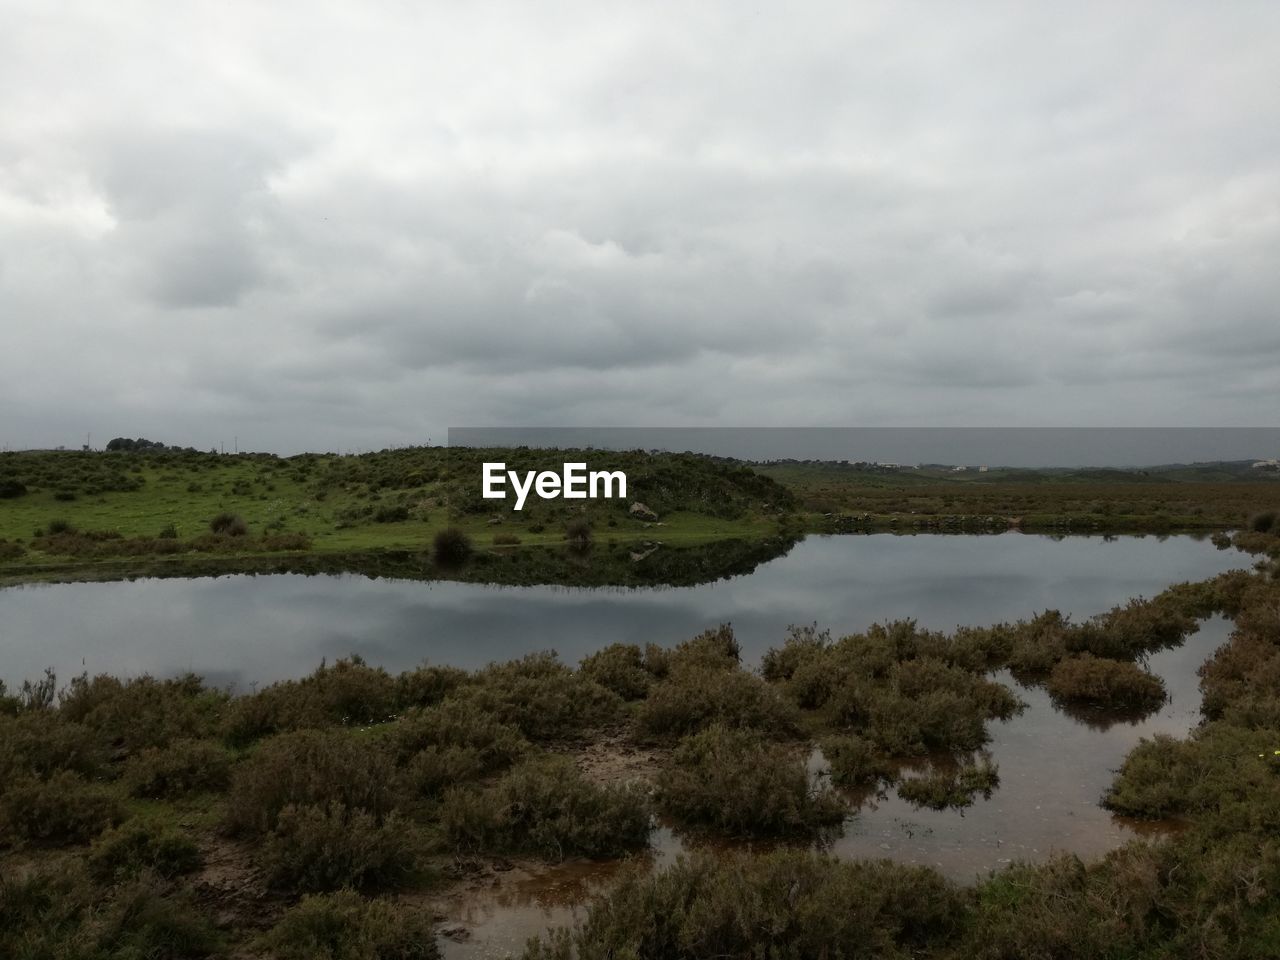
x=63 y=809
x=40 y=743
x=349 y=692
x=138 y=846
x=58 y=915
x=854 y=761
x=54 y=527
x=12 y=489
x=330 y=769
x=182 y=767
x=626 y=669
x=546 y=808
x=428 y=684
x=452 y=547
x=346 y=926
x=391 y=513
x=452 y=742
x=542 y=698
x=951 y=785
x=322 y=848
x=144 y=712
x=11 y=551
x=737 y=783
x=1109 y=683
x=787 y=904
x=578 y=534
x=1264 y=522
x=693 y=697
x=228 y=525
x=168 y=532
x=715 y=649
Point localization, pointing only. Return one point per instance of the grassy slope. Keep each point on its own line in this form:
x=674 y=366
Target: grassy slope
x=337 y=500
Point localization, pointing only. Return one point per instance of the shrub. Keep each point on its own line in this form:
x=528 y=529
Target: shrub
x=315 y=848
x=428 y=684
x=55 y=527
x=1264 y=522
x=346 y=926
x=40 y=743
x=64 y=496
x=546 y=808
x=951 y=786
x=348 y=692
x=391 y=513
x=541 y=697
x=12 y=489
x=309 y=768
x=144 y=712
x=785 y=904
x=228 y=525
x=737 y=783
x=716 y=648
x=452 y=547
x=64 y=809
x=1110 y=683
x=11 y=551
x=505 y=540
x=578 y=534
x=168 y=532
x=182 y=767
x=854 y=761
x=451 y=743
x=693 y=698
x=138 y=846
x=620 y=667
x=802 y=645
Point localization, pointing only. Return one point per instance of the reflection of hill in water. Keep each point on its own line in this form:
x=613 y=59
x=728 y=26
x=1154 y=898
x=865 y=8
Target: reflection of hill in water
x=602 y=565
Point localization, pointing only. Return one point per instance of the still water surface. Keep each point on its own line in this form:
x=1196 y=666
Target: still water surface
x=242 y=630
x=238 y=631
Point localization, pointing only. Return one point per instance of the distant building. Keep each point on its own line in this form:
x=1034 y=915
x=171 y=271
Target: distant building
x=1272 y=464
x=982 y=469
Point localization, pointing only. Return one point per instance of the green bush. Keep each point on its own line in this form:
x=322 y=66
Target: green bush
x=346 y=926
x=716 y=648
x=450 y=743
x=349 y=692
x=950 y=786
x=542 y=698
x=623 y=668
x=138 y=846
x=694 y=697
x=427 y=685
x=735 y=782
x=228 y=525
x=1110 y=683
x=1264 y=522
x=788 y=904
x=854 y=761
x=64 y=809
x=182 y=767
x=331 y=769
x=40 y=743
x=144 y=712
x=452 y=547
x=578 y=534
x=316 y=848
x=544 y=807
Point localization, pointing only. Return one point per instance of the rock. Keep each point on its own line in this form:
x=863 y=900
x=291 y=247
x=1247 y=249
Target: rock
x=458 y=934
x=641 y=512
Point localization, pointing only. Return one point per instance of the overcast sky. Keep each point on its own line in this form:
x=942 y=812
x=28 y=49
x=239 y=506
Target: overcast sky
x=349 y=225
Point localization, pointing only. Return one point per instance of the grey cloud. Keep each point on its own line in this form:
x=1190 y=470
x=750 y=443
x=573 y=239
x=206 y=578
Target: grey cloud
x=343 y=230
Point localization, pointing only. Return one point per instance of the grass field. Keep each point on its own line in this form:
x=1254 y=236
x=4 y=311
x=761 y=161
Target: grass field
x=106 y=515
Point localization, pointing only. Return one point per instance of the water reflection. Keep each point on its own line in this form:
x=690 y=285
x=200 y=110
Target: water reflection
x=241 y=630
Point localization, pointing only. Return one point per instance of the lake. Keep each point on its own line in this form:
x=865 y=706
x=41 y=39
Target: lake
x=241 y=631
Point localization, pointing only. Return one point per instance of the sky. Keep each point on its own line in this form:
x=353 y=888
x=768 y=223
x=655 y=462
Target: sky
x=345 y=226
